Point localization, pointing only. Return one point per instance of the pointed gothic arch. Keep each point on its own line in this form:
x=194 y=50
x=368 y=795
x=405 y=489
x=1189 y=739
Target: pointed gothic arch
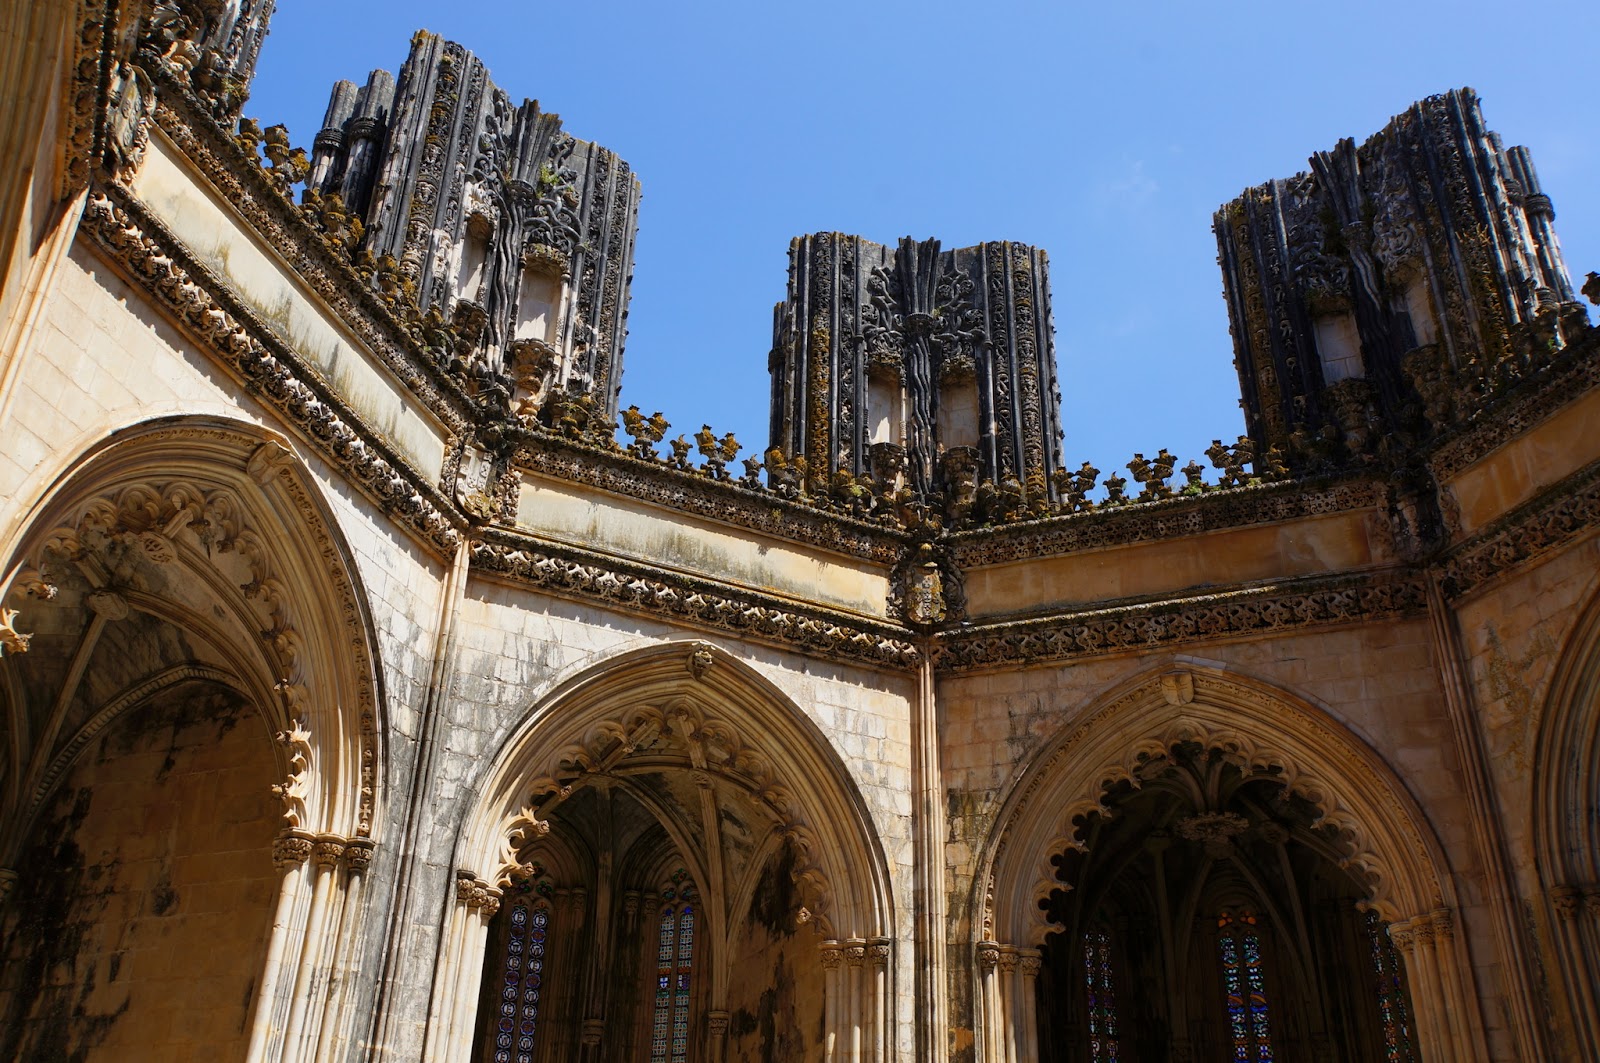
x=679 y=731
x=1379 y=834
x=190 y=558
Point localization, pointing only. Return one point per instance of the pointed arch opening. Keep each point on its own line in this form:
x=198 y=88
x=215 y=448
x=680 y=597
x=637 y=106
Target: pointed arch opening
x=699 y=795
x=197 y=714
x=1226 y=841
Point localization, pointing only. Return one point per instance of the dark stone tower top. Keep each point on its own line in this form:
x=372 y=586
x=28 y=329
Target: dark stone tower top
x=1388 y=291
x=505 y=224
x=931 y=368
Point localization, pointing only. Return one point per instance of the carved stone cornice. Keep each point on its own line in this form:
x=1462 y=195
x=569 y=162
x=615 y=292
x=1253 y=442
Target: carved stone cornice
x=1558 y=516
x=250 y=191
x=1171 y=518
x=1573 y=372
x=758 y=510
x=1249 y=611
x=566 y=571
x=153 y=260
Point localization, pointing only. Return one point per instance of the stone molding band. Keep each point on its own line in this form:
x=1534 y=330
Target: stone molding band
x=1125 y=628
x=146 y=254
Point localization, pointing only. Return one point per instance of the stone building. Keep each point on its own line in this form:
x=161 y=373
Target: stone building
x=366 y=699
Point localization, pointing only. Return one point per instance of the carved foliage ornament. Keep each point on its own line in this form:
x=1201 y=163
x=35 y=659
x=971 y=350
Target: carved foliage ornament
x=1335 y=796
x=710 y=747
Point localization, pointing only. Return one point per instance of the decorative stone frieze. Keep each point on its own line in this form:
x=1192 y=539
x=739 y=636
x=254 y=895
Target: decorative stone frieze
x=1559 y=515
x=565 y=572
x=1230 y=614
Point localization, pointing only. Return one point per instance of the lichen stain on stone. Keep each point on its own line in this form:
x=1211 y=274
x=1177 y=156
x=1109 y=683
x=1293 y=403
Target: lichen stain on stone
x=99 y=958
x=784 y=1021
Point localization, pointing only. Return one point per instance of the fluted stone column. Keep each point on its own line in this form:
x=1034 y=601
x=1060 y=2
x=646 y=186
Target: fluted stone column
x=1577 y=934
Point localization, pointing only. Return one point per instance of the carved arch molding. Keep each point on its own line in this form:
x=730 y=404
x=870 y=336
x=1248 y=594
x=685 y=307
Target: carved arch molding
x=216 y=529
x=690 y=707
x=1381 y=834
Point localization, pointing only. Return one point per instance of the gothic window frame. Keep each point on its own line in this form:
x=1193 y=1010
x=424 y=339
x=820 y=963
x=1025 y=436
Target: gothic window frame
x=671 y=990
x=1101 y=1020
x=1247 y=1008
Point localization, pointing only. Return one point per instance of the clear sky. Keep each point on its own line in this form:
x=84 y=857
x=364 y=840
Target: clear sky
x=1105 y=133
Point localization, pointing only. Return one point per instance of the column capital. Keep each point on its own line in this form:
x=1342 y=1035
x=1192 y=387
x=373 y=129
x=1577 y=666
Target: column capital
x=327 y=850
x=717 y=1023
x=592 y=1030
x=832 y=953
x=292 y=847
x=855 y=952
x=358 y=854
x=988 y=955
x=8 y=882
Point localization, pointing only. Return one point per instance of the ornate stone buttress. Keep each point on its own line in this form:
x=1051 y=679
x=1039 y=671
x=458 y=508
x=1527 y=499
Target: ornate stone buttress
x=932 y=370
x=1391 y=290
x=498 y=221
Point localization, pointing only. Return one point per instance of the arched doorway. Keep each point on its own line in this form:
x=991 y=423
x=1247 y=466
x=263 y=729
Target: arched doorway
x=1223 y=843
x=725 y=895
x=190 y=790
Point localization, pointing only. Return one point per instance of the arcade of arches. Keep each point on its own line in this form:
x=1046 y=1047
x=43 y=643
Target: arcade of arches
x=366 y=700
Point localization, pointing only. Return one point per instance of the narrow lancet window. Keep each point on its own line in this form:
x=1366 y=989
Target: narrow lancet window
x=1392 y=1008
x=522 y=979
x=669 y=1034
x=1099 y=983
x=1244 y=982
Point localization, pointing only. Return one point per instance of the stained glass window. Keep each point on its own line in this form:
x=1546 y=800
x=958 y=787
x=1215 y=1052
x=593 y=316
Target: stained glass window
x=1103 y=1036
x=669 y=1032
x=1245 y=984
x=521 y=979
x=1392 y=1009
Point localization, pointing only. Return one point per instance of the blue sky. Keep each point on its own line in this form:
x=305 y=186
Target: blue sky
x=1106 y=134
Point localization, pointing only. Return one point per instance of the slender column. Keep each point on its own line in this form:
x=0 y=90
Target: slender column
x=989 y=994
x=1009 y=1004
x=832 y=1002
x=388 y=1014
x=717 y=1034
x=1028 y=964
x=1450 y=960
x=928 y=840
x=1575 y=950
x=855 y=958
x=290 y=852
x=442 y=1014
x=1482 y=801
x=1414 y=939
x=485 y=902
x=336 y=1024
x=327 y=911
x=879 y=1048
x=325 y=853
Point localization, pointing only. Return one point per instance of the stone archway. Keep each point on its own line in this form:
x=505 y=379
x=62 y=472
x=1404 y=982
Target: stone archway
x=1566 y=826
x=1372 y=825
x=682 y=752
x=184 y=584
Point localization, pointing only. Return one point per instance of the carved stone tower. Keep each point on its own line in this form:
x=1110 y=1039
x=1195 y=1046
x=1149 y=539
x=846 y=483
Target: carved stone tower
x=1382 y=294
x=516 y=232
x=930 y=368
